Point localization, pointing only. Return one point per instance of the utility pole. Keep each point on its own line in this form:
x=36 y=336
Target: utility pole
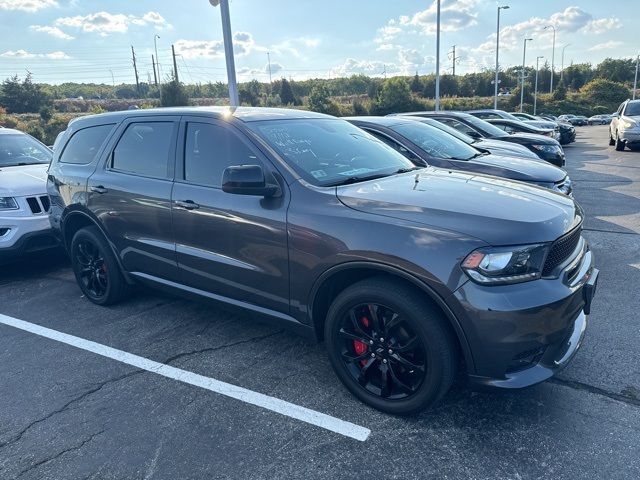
x=175 y=65
x=454 y=59
x=155 y=77
x=553 y=54
x=524 y=56
x=497 y=81
x=269 y=65
x=635 y=79
x=228 y=50
x=159 y=83
x=113 y=80
x=438 y=57
x=562 y=64
x=135 y=69
x=535 y=94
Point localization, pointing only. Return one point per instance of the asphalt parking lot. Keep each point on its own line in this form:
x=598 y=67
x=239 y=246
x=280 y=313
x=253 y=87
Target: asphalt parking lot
x=66 y=412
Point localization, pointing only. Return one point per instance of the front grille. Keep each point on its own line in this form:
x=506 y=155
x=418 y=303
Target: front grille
x=39 y=204
x=34 y=205
x=44 y=200
x=561 y=250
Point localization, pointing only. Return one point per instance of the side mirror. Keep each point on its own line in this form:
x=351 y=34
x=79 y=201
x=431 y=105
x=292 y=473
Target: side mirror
x=616 y=115
x=248 y=180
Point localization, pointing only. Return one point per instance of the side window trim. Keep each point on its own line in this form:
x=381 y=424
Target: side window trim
x=107 y=159
x=375 y=133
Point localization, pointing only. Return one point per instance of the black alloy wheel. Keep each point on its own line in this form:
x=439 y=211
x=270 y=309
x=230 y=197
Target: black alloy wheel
x=390 y=346
x=96 y=268
x=381 y=351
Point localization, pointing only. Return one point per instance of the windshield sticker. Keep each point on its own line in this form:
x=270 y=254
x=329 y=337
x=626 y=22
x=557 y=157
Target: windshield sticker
x=319 y=173
x=356 y=171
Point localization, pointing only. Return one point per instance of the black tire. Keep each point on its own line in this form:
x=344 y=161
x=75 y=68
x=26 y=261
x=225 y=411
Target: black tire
x=100 y=279
x=429 y=331
x=619 y=143
x=612 y=142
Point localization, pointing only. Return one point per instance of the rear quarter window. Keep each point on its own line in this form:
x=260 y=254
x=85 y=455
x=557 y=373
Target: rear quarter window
x=84 y=145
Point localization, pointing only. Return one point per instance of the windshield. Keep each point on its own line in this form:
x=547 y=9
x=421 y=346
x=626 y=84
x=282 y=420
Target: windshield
x=329 y=152
x=490 y=130
x=20 y=149
x=450 y=130
x=434 y=141
x=633 y=109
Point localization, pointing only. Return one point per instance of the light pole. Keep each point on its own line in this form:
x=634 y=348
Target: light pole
x=155 y=45
x=438 y=57
x=635 y=79
x=553 y=54
x=495 y=96
x=228 y=50
x=524 y=57
x=562 y=63
x=535 y=94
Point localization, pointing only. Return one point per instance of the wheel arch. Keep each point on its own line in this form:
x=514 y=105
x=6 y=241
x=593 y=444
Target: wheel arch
x=339 y=277
x=75 y=220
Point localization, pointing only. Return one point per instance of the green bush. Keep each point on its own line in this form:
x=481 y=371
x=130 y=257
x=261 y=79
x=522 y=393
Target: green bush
x=605 y=91
x=394 y=97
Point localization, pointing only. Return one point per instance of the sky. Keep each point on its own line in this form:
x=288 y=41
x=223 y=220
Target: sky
x=90 y=41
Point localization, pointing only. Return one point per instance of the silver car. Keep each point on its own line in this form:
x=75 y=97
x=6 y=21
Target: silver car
x=624 y=130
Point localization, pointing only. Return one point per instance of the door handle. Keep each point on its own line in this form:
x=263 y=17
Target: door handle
x=99 y=189
x=187 y=204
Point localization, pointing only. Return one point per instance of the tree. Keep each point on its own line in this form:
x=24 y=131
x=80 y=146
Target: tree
x=616 y=69
x=395 y=96
x=22 y=97
x=286 y=93
x=605 y=91
x=320 y=101
x=559 y=92
x=416 y=84
x=174 y=94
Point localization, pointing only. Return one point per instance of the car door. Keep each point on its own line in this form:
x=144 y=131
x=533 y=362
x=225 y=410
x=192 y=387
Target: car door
x=130 y=193
x=234 y=246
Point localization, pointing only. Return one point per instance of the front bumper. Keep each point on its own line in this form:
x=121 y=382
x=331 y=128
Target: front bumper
x=630 y=136
x=523 y=334
x=555 y=158
x=22 y=235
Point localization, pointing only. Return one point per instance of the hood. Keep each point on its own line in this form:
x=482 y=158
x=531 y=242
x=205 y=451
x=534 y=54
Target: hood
x=635 y=118
x=496 y=211
x=518 y=169
x=23 y=180
x=505 y=148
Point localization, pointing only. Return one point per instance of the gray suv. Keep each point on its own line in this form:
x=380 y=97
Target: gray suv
x=407 y=273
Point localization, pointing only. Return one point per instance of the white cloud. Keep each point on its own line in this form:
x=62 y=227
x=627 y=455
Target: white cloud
x=27 y=5
x=106 y=23
x=275 y=68
x=243 y=44
x=53 y=31
x=602 y=25
x=58 y=55
x=454 y=15
x=605 y=45
x=385 y=47
x=373 y=68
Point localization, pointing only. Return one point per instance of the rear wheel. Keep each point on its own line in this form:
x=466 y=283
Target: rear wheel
x=96 y=268
x=390 y=348
x=619 y=143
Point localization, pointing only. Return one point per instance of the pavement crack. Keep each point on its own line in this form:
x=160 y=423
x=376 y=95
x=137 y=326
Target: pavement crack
x=220 y=347
x=585 y=387
x=18 y=436
x=61 y=453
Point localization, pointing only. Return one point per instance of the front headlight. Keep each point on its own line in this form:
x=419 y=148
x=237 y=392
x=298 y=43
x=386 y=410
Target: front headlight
x=547 y=148
x=499 y=266
x=629 y=124
x=8 y=203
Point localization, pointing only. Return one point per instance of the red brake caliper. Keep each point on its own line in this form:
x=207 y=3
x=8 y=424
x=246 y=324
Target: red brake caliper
x=361 y=347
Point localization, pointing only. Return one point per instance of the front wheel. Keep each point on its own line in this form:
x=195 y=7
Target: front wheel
x=390 y=348
x=96 y=268
x=619 y=143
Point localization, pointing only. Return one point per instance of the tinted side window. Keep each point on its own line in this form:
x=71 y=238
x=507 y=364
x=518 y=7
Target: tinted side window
x=144 y=149
x=84 y=145
x=461 y=127
x=209 y=149
x=392 y=143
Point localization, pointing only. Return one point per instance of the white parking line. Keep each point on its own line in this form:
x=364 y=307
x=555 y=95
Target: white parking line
x=291 y=410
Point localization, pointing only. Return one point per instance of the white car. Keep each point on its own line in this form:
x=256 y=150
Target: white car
x=624 y=130
x=24 y=203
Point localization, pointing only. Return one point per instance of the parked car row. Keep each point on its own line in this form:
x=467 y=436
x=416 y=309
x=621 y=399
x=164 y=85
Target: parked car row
x=414 y=244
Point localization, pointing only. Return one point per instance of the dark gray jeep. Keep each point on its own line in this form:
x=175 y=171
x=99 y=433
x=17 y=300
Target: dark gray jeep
x=407 y=273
